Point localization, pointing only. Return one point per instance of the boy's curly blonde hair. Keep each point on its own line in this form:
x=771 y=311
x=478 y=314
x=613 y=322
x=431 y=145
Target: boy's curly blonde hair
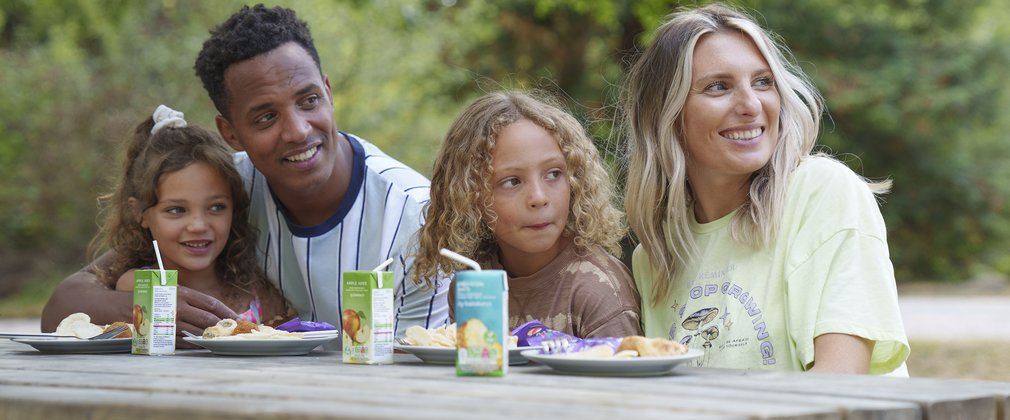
x=459 y=213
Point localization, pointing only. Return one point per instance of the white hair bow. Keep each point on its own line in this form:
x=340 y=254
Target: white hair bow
x=167 y=117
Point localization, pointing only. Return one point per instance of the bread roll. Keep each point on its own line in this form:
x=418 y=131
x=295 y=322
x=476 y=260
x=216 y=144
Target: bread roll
x=125 y=334
x=652 y=347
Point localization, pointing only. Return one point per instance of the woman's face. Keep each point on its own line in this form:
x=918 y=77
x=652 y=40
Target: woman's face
x=732 y=112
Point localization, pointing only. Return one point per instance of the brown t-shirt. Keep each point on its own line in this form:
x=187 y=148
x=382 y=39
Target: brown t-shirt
x=582 y=292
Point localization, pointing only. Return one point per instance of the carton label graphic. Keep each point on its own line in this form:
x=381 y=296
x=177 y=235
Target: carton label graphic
x=154 y=311
x=367 y=319
x=482 y=318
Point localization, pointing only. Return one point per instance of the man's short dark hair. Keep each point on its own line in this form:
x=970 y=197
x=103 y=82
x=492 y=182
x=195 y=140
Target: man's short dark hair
x=247 y=34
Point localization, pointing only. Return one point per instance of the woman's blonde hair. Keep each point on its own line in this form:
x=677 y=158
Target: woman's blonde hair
x=457 y=217
x=658 y=198
x=148 y=158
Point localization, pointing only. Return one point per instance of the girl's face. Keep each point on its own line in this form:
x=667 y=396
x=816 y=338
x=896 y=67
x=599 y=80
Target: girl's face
x=192 y=218
x=531 y=193
x=732 y=112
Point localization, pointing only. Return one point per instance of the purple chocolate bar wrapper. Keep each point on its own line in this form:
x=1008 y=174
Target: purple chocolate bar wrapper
x=534 y=332
x=297 y=325
x=586 y=343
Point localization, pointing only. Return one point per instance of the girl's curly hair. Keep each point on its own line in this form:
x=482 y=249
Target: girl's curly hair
x=148 y=158
x=459 y=213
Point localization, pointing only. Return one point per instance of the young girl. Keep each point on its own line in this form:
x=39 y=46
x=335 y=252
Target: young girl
x=517 y=185
x=754 y=249
x=179 y=187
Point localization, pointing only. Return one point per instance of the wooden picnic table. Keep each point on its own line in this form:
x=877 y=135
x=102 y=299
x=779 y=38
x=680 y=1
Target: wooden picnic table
x=196 y=384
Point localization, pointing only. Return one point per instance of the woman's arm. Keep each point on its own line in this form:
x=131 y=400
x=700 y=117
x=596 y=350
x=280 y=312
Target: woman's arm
x=841 y=353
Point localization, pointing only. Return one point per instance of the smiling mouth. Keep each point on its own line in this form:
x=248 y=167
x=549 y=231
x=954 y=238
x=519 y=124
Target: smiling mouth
x=743 y=135
x=196 y=244
x=301 y=157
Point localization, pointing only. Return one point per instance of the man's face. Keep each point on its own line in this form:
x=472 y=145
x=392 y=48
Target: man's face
x=281 y=114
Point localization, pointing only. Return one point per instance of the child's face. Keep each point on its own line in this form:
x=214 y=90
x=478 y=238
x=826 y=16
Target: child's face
x=531 y=193
x=192 y=218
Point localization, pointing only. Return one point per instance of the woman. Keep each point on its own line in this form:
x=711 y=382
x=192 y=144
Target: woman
x=753 y=249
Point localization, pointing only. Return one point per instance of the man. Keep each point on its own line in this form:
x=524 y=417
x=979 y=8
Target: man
x=325 y=201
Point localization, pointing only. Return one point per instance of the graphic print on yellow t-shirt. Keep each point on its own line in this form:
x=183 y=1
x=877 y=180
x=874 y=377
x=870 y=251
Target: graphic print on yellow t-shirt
x=725 y=319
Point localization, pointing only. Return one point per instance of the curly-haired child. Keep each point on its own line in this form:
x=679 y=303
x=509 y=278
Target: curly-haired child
x=519 y=186
x=179 y=186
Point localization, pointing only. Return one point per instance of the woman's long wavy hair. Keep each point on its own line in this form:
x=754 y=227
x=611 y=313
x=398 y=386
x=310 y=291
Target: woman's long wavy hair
x=459 y=213
x=658 y=198
x=148 y=158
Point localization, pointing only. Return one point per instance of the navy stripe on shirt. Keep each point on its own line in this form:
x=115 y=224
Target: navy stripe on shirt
x=340 y=271
x=308 y=276
x=266 y=259
x=392 y=168
x=431 y=304
x=397 y=230
x=361 y=219
x=416 y=187
x=403 y=294
x=280 y=269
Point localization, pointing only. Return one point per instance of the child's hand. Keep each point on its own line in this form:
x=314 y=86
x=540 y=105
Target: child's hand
x=196 y=312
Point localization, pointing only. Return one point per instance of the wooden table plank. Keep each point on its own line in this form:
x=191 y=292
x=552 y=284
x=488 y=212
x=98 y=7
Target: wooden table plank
x=937 y=398
x=197 y=384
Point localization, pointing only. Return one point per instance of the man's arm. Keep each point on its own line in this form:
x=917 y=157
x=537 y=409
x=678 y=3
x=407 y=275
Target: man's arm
x=83 y=292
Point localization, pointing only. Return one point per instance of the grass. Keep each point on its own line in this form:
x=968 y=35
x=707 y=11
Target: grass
x=982 y=360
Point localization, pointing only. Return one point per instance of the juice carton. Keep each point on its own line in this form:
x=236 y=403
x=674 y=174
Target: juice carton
x=367 y=320
x=482 y=333
x=154 y=307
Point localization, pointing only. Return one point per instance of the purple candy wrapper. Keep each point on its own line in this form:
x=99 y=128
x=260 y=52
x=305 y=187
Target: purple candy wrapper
x=297 y=325
x=587 y=343
x=534 y=332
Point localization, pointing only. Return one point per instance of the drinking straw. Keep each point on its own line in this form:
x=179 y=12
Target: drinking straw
x=383 y=265
x=378 y=270
x=460 y=259
x=161 y=266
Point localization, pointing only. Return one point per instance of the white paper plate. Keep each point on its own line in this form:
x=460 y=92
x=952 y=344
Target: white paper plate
x=447 y=355
x=278 y=347
x=632 y=366
x=74 y=345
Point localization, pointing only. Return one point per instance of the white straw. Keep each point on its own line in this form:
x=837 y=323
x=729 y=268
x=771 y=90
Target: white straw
x=161 y=266
x=460 y=259
x=378 y=270
x=383 y=265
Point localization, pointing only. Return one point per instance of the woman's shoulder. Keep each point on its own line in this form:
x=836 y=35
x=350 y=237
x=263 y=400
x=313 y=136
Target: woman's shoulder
x=822 y=174
x=820 y=165
x=826 y=196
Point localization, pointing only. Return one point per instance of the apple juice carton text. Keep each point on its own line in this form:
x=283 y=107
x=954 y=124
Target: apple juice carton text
x=482 y=335
x=154 y=307
x=367 y=319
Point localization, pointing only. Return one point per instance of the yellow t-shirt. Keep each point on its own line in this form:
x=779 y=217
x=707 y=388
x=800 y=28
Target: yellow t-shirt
x=828 y=272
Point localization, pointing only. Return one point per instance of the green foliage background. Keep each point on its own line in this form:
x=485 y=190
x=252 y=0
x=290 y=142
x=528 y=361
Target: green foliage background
x=916 y=91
